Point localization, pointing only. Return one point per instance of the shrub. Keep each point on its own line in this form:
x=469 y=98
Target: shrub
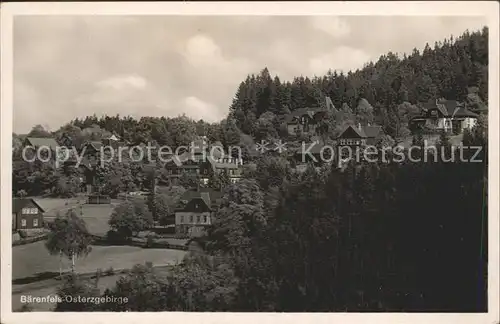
x=150 y=241
x=98 y=274
x=110 y=271
x=115 y=238
x=23 y=234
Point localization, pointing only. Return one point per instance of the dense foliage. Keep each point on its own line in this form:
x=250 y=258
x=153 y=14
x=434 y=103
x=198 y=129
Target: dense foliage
x=129 y=218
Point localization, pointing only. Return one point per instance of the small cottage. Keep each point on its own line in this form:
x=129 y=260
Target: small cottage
x=196 y=211
x=26 y=214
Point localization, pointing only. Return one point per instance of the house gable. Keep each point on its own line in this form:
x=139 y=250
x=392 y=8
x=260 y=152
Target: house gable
x=37 y=142
x=351 y=132
x=197 y=205
x=19 y=203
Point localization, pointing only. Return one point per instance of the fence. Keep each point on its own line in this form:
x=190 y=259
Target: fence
x=28 y=240
x=99 y=199
x=140 y=242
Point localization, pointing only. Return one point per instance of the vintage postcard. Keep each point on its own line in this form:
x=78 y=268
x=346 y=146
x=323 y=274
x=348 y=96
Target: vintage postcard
x=238 y=162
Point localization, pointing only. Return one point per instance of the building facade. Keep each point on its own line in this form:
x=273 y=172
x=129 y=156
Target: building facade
x=203 y=162
x=444 y=115
x=196 y=211
x=26 y=214
x=305 y=120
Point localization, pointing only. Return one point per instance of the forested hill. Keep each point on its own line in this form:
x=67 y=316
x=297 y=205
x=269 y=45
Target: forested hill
x=456 y=69
x=391 y=88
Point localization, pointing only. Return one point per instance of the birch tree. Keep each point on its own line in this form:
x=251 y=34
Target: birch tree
x=69 y=237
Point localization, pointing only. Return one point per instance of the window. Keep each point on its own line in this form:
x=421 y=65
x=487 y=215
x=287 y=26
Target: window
x=182 y=220
x=35 y=222
x=205 y=219
x=25 y=211
x=34 y=210
x=191 y=219
x=198 y=219
x=23 y=222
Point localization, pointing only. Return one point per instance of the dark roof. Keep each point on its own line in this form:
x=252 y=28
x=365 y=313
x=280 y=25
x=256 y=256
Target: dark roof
x=304 y=111
x=19 y=203
x=364 y=131
x=464 y=112
x=448 y=108
x=39 y=141
x=358 y=131
x=210 y=196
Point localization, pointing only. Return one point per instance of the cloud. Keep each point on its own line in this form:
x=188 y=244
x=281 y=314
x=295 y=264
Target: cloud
x=199 y=109
x=202 y=50
x=124 y=95
x=123 y=82
x=343 y=58
x=332 y=25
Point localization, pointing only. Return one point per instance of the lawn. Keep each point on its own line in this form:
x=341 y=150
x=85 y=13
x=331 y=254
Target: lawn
x=33 y=260
x=95 y=216
x=52 y=205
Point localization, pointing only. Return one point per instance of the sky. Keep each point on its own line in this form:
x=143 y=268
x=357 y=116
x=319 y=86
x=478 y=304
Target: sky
x=73 y=66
